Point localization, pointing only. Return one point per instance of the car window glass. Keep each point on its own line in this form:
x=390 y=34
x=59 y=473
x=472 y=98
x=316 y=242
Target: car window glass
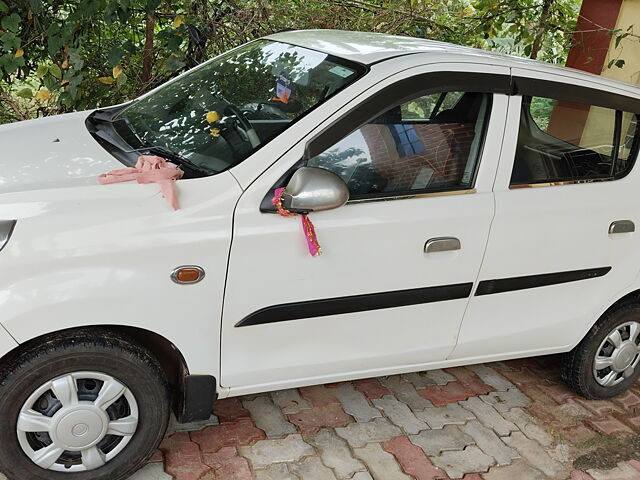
x=570 y=141
x=428 y=144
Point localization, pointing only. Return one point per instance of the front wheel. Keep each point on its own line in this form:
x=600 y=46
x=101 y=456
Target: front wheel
x=606 y=362
x=85 y=406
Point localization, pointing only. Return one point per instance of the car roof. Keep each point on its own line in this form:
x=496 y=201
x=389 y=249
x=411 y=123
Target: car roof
x=369 y=48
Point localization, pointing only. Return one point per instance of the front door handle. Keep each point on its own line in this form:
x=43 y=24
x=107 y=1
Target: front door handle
x=622 y=226
x=441 y=244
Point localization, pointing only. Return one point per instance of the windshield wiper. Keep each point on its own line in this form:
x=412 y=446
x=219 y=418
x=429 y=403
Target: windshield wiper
x=176 y=157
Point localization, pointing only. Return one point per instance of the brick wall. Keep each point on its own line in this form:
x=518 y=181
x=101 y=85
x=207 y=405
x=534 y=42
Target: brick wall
x=446 y=150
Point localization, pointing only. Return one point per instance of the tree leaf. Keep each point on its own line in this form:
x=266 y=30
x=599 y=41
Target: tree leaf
x=179 y=20
x=42 y=70
x=106 y=80
x=19 y=53
x=25 y=93
x=11 y=22
x=3 y=7
x=43 y=94
x=55 y=71
x=117 y=71
x=114 y=56
x=619 y=63
x=121 y=80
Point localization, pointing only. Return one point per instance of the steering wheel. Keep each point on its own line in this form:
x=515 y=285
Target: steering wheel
x=245 y=127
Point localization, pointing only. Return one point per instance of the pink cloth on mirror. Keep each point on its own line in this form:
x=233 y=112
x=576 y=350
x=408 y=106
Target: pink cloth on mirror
x=149 y=169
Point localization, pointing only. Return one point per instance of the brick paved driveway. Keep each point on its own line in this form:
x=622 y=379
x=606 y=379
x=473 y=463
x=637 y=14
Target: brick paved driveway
x=513 y=420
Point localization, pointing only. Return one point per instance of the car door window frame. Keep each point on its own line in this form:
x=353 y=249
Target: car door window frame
x=389 y=97
x=561 y=91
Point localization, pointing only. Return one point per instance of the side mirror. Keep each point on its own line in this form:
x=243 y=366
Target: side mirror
x=312 y=189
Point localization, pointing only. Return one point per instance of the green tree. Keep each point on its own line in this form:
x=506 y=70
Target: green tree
x=64 y=55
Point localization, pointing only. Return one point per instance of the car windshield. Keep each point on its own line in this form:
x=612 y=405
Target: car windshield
x=223 y=111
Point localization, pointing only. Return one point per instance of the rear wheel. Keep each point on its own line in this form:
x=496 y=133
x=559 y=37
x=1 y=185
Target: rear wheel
x=91 y=406
x=606 y=362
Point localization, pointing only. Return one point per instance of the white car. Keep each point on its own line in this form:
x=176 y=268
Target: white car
x=419 y=163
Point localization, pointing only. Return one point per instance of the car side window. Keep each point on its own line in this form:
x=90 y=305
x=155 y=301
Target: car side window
x=562 y=141
x=431 y=143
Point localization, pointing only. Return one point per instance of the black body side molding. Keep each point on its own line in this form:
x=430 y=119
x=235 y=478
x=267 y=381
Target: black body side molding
x=356 y=303
x=197 y=396
x=488 y=287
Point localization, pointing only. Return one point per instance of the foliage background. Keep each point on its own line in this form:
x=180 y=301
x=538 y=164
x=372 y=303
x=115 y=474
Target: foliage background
x=64 y=55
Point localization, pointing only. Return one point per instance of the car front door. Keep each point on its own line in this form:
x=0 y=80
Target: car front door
x=562 y=247
x=399 y=260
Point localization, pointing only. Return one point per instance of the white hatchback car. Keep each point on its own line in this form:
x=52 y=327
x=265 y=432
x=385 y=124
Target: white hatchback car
x=446 y=252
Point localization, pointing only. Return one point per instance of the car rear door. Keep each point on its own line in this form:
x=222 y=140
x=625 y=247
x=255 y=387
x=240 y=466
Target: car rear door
x=399 y=260
x=562 y=247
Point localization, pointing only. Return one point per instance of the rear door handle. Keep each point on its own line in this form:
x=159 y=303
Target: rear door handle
x=441 y=244
x=622 y=226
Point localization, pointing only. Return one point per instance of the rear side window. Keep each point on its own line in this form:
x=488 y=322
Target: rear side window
x=562 y=141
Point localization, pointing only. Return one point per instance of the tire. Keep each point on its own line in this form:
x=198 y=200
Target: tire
x=137 y=390
x=600 y=381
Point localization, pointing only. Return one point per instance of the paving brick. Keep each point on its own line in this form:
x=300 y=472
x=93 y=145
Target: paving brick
x=435 y=441
x=412 y=459
x=182 y=458
x=610 y=426
x=151 y=471
x=505 y=401
x=382 y=465
x=319 y=396
x=438 y=417
x=265 y=452
x=559 y=393
x=357 y=476
x=335 y=453
x=635 y=464
x=442 y=394
x=491 y=377
x=490 y=443
x=399 y=414
x=580 y=475
x=371 y=388
x=228 y=465
x=577 y=435
x=470 y=380
x=276 y=471
x=628 y=401
x=527 y=424
x=355 y=403
x=431 y=377
x=229 y=409
x=175 y=426
x=624 y=471
x=561 y=453
x=469 y=460
x=472 y=476
x=313 y=419
x=542 y=413
x=289 y=401
x=533 y=453
x=378 y=430
x=311 y=469
x=406 y=392
x=632 y=421
x=522 y=377
x=268 y=417
x=599 y=407
x=489 y=416
x=241 y=432
x=570 y=412
x=518 y=470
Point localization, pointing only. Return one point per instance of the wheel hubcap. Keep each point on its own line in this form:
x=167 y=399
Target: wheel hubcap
x=618 y=355
x=77 y=422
